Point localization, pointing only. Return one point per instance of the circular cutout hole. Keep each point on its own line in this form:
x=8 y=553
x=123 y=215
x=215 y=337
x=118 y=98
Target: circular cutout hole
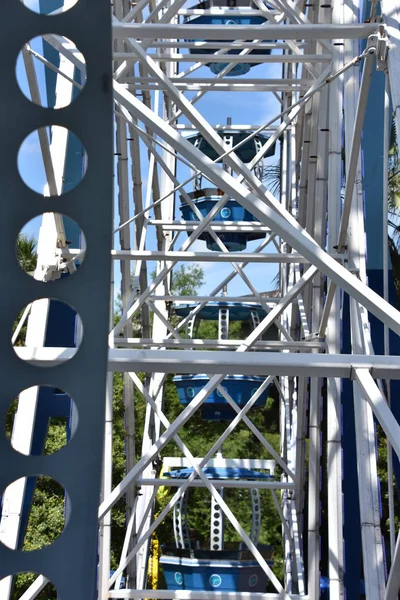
x=46 y=520
x=62 y=248
x=43 y=55
x=22 y=581
x=53 y=6
x=32 y=168
x=50 y=322
x=53 y=409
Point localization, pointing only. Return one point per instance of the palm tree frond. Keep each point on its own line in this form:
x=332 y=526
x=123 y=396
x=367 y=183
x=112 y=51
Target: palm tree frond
x=272 y=177
x=26 y=253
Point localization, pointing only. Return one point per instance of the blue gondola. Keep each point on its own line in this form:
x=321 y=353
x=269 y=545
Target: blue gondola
x=238 y=311
x=206 y=198
x=240 y=68
x=215 y=407
x=222 y=570
x=232 y=211
x=204 y=574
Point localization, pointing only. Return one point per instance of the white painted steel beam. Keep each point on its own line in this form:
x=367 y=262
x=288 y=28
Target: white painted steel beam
x=187 y=256
x=235 y=59
x=169 y=361
x=141 y=31
x=218 y=483
x=195 y=595
x=216 y=344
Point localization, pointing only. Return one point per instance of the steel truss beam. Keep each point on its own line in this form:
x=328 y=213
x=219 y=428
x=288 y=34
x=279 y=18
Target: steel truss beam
x=310 y=133
x=287 y=228
x=262 y=32
x=168 y=361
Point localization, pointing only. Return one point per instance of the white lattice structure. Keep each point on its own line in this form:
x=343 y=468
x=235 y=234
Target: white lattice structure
x=314 y=232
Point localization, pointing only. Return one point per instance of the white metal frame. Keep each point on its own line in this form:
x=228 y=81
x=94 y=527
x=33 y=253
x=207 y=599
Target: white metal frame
x=311 y=239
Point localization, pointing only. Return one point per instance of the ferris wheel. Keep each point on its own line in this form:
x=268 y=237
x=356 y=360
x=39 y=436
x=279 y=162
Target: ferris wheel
x=251 y=139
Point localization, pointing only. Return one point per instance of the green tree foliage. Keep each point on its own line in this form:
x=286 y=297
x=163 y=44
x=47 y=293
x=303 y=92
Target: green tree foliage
x=186 y=281
x=26 y=253
x=27 y=259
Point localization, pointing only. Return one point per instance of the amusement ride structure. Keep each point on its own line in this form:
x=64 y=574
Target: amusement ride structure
x=201 y=100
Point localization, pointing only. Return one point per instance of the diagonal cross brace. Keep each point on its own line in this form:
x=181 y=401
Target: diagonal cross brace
x=296 y=237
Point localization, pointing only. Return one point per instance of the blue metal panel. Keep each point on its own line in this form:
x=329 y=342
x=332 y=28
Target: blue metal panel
x=351 y=508
x=215 y=407
x=232 y=211
x=71 y=559
x=238 y=311
x=238 y=69
x=220 y=473
x=216 y=576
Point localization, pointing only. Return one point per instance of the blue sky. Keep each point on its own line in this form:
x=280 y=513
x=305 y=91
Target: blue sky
x=216 y=107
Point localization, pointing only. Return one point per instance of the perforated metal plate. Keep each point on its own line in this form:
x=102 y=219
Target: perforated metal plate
x=70 y=562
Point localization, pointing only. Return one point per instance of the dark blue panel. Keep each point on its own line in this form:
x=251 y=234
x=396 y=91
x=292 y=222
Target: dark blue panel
x=351 y=526
x=61 y=326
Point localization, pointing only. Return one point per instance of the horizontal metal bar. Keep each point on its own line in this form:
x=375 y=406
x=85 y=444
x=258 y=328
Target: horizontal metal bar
x=214 y=45
x=234 y=126
x=216 y=10
x=197 y=299
x=140 y=31
x=253 y=363
x=209 y=256
x=191 y=595
x=215 y=58
x=293 y=83
x=218 y=87
x=217 y=344
x=220 y=483
x=223 y=463
x=191 y=226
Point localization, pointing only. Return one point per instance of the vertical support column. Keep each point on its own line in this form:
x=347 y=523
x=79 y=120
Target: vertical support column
x=316 y=224
x=78 y=467
x=351 y=517
x=369 y=505
x=156 y=388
